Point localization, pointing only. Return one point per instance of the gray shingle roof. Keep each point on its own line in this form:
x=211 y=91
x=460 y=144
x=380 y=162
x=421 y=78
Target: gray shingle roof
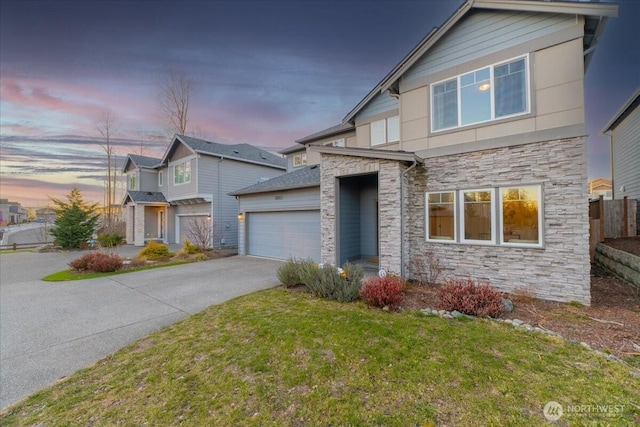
x=144 y=161
x=293 y=149
x=333 y=130
x=242 y=152
x=302 y=178
x=147 y=196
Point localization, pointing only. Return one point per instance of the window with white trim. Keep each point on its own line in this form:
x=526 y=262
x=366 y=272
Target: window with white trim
x=486 y=94
x=160 y=179
x=299 y=160
x=385 y=130
x=182 y=173
x=132 y=181
x=508 y=216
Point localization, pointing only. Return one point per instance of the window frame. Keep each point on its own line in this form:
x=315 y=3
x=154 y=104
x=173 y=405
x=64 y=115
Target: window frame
x=492 y=206
x=132 y=181
x=493 y=118
x=160 y=178
x=540 y=200
x=299 y=160
x=182 y=165
x=455 y=217
x=385 y=131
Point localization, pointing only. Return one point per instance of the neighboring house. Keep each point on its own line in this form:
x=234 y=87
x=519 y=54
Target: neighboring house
x=190 y=185
x=11 y=213
x=46 y=215
x=624 y=136
x=600 y=187
x=472 y=148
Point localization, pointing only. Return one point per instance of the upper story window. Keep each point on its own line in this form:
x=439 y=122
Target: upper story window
x=182 y=173
x=299 y=160
x=385 y=130
x=490 y=93
x=160 y=179
x=132 y=181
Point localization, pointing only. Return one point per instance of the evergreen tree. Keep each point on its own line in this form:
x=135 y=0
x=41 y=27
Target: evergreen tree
x=76 y=220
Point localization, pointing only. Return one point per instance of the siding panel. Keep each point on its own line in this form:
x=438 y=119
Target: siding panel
x=626 y=156
x=381 y=103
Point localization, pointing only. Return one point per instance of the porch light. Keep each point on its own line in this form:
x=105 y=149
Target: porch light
x=240 y=216
x=484 y=86
x=208 y=217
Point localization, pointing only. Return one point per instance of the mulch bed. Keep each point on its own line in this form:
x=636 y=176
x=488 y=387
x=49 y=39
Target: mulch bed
x=610 y=324
x=627 y=244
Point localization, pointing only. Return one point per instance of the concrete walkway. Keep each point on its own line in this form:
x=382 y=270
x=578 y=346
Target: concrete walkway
x=50 y=330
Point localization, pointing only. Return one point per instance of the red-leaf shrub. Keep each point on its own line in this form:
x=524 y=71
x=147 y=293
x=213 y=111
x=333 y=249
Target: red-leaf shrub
x=97 y=262
x=383 y=291
x=470 y=298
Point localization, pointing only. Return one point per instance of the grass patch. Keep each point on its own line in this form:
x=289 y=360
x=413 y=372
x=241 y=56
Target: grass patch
x=67 y=275
x=280 y=358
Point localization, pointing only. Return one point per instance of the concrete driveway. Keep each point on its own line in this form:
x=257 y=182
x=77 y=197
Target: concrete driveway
x=50 y=330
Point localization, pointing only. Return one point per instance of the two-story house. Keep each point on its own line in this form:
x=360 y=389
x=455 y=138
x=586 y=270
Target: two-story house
x=471 y=148
x=190 y=183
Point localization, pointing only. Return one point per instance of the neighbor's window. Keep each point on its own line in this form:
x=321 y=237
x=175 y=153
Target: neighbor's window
x=486 y=94
x=521 y=215
x=182 y=173
x=299 y=160
x=160 y=179
x=441 y=216
x=132 y=181
x=478 y=218
x=385 y=130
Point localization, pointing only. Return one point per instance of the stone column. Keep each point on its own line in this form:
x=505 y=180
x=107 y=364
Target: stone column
x=139 y=226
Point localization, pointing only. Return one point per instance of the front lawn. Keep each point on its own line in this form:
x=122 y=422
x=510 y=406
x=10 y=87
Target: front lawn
x=284 y=358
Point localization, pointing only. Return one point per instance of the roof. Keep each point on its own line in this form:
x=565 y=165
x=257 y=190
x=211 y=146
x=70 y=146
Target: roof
x=241 y=152
x=302 y=178
x=626 y=109
x=144 y=161
x=399 y=155
x=596 y=16
x=333 y=130
x=145 y=197
x=293 y=149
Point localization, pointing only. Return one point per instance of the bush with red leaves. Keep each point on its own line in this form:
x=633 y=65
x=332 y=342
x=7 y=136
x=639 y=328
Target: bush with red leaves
x=470 y=298
x=383 y=291
x=97 y=262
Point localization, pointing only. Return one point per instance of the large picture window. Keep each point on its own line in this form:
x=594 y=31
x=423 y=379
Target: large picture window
x=486 y=94
x=441 y=208
x=520 y=215
x=182 y=173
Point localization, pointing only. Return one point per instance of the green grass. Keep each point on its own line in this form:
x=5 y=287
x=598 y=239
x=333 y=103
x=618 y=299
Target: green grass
x=279 y=358
x=67 y=275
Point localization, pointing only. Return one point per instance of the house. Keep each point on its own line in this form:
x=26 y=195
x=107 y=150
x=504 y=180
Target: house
x=600 y=187
x=187 y=189
x=11 y=212
x=472 y=148
x=624 y=142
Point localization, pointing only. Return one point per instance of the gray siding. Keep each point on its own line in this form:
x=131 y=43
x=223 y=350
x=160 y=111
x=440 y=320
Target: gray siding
x=178 y=191
x=381 y=103
x=484 y=33
x=148 y=180
x=626 y=157
x=349 y=222
x=368 y=221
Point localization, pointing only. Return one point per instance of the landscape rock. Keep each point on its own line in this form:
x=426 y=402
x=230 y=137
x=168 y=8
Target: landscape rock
x=507 y=304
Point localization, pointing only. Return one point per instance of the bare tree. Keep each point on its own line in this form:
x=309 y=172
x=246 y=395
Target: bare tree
x=202 y=232
x=105 y=125
x=173 y=101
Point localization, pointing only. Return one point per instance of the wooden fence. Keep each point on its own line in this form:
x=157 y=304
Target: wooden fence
x=611 y=219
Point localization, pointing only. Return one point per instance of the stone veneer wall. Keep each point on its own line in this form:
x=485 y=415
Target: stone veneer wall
x=561 y=270
x=138 y=230
x=389 y=176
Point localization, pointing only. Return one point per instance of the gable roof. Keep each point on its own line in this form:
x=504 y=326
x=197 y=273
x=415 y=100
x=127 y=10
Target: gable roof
x=141 y=161
x=293 y=149
x=302 y=178
x=333 y=130
x=145 y=197
x=626 y=109
x=596 y=16
x=240 y=152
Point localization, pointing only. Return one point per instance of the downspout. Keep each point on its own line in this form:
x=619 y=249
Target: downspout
x=613 y=183
x=217 y=207
x=402 y=242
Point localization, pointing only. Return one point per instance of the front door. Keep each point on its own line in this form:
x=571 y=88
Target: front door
x=161 y=225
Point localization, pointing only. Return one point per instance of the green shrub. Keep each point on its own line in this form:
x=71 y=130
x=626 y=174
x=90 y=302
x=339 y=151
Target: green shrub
x=108 y=240
x=189 y=248
x=97 y=262
x=383 y=291
x=339 y=284
x=296 y=272
x=155 y=251
x=200 y=257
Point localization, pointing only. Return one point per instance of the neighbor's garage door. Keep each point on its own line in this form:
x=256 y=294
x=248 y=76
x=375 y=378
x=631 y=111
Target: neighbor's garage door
x=284 y=235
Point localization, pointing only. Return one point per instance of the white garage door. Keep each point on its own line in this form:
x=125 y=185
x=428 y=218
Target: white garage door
x=190 y=224
x=284 y=235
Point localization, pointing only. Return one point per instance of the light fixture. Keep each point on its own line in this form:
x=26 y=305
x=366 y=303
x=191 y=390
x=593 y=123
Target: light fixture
x=208 y=217
x=240 y=216
x=484 y=86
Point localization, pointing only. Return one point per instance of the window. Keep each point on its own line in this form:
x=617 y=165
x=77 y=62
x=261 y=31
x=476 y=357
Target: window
x=480 y=96
x=520 y=215
x=160 y=179
x=132 y=181
x=478 y=219
x=441 y=215
x=299 y=160
x=182 y=173
x=385 y=130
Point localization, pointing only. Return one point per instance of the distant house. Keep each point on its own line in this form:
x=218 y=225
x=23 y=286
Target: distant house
x=600 y=187
x=11 y=213
x=624 y=133
x=472 y=148
x=190 y=185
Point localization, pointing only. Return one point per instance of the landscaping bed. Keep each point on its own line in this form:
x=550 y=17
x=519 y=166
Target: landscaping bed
x=626 y=244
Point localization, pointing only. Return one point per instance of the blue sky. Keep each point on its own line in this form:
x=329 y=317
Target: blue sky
x=265 y=73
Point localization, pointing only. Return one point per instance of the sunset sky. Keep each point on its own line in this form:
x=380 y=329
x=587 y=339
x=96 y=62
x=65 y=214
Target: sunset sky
x=265 y=73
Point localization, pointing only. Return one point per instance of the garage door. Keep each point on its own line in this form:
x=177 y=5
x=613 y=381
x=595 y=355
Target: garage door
x=192 y=224
x=284 y=235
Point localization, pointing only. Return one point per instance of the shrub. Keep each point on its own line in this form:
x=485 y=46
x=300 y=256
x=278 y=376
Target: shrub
x=383 y=291
x=339 y=284
x=470 y=298
x=189 y=248
x=297 y=272
x=108 y=240
x=155 y=251
x=97 y=262
x=200 y=257
x=427 y=268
